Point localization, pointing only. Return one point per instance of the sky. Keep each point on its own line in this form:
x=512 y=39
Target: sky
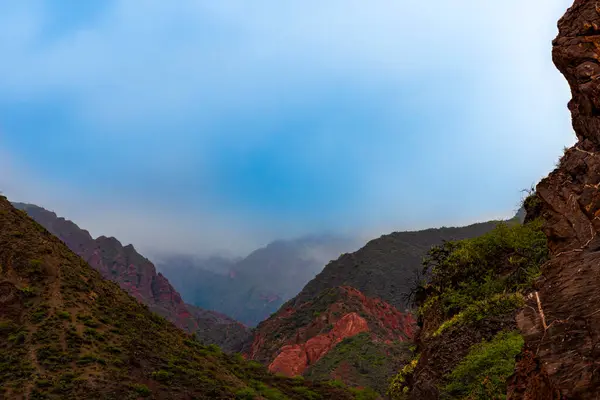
x=203 y=126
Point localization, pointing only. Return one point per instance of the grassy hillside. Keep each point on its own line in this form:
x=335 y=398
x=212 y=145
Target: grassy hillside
x=67 y=333
x=385 y=267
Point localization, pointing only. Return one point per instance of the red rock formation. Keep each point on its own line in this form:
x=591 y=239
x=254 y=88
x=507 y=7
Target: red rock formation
x=294 y=339
x=566 y=337
x=294 y=359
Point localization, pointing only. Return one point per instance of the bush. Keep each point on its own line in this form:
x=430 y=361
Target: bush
x=306 y=393
x=364 y=394
x=496 y=305
x=398 y=385
x=483 y=372
x=245 y=394
x=63 y=315
x=162 y=375
x=141 y=390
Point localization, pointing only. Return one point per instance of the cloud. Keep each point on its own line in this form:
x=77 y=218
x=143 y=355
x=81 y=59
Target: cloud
x=281 y=117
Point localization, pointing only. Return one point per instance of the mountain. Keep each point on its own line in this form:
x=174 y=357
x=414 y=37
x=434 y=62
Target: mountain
x=351 y=322
x=252 y=288
x=137 y=275
x=67 y=333
x=384 y=268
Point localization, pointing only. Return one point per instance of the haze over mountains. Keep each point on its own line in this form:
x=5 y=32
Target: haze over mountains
x=252 y=288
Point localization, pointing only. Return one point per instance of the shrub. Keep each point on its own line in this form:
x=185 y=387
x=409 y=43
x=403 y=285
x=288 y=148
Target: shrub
x=496 y=305
x=364 y=394
x=306 y=393
x=63 y=315
x=141 y=390
x=28 y=291
x=245 y=394
x=483 y=372
x=162 y=375
x=398 y=385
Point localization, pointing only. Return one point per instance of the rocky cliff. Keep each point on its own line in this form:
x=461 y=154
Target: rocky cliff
x=137 y=275
x=562 y=331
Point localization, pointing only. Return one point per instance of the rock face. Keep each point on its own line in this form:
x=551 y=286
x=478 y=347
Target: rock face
x=298 y=340
x=565 y=338
x=137 y=275
x=293 y=359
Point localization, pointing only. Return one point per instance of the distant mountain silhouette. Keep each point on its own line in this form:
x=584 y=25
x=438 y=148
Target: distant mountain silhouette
x=252 y=288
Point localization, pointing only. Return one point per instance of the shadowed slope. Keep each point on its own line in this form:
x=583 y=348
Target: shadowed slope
x=67 y=333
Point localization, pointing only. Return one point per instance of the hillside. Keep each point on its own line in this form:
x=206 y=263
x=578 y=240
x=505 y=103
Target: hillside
x=67 y=333
x=252 y=288
x=351 y=321
x=137 y=275
x=384 y=267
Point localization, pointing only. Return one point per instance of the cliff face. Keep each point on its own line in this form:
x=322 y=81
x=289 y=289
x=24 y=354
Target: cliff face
x=565 y=337
x=137 y=275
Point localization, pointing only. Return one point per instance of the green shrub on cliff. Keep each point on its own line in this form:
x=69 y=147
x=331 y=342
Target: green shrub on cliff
x=464 y=273
x=483 y=372
x=469 y=281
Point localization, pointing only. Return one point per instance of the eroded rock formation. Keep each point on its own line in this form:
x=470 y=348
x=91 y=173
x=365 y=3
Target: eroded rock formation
x=565 y=336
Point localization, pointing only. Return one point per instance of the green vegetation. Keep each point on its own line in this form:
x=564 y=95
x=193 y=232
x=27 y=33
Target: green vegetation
x=80 y=336
x=483 y=372
x=372 y=363
x=142 y=390
x=364 y=394
x=398 y=385
x=470 y=281
x=498 y=304
x=480 y=276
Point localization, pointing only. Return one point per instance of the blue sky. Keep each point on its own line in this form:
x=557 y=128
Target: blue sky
x=197 y=125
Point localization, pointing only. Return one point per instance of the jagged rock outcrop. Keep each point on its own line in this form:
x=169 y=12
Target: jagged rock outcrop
x=566 y=337
x=137 y=275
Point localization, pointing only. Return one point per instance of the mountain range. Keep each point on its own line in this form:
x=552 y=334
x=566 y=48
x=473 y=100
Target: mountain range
x=138 y=277
x=67 y=333
x=250 y=289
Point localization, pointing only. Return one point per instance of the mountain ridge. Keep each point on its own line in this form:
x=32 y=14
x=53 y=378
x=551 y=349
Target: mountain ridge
x=138 y=276
x=68 y=333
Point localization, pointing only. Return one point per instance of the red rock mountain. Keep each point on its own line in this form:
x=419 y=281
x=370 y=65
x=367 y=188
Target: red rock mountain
x=562 y=358
x=138 y=276
x=304 y=340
